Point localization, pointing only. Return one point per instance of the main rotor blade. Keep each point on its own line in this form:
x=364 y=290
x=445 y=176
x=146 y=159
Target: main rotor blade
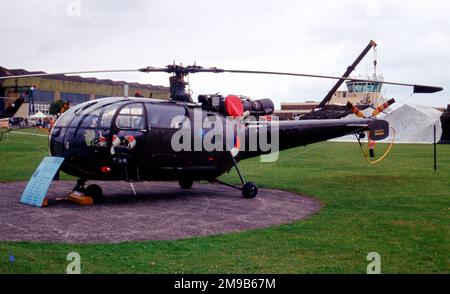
x=196 y=69
x=68 y=73
x=416 y=88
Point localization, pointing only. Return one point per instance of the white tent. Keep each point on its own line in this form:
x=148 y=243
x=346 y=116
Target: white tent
x=38 y=114
x=412 y=123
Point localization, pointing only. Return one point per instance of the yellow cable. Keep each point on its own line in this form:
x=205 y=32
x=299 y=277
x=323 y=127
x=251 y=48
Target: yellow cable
x=385 y=153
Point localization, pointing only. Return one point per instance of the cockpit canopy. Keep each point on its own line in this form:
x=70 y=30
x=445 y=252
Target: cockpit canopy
x=120 y=113
x=91 y=114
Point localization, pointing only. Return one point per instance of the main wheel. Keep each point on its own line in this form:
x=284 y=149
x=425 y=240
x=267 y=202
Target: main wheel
x=249 y=190
x=185 y=184
x=95 y=192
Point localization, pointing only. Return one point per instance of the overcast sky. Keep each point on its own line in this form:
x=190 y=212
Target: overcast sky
x=321 y=37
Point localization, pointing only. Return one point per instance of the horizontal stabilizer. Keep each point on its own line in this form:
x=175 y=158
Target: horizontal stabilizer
x=378 y=130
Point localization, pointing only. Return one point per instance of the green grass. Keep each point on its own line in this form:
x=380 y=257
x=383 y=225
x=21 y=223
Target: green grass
x=399 y=208
x=20 y=154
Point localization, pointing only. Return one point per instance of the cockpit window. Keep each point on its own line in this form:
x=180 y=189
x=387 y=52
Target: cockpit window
x=131 y=117
x=84 y=106
x=89 y=113
x=164 y=115
x=98 y=116
x=65 y=119
x=133 y=109
x=107 y=117
x=90 y=120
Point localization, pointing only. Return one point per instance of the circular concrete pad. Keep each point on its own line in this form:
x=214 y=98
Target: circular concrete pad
x=159 y=211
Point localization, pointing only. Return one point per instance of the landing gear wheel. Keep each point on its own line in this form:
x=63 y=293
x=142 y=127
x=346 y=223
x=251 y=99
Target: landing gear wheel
x=95 y=192
x=185 y=184
x=79 y=187
x=249 y=190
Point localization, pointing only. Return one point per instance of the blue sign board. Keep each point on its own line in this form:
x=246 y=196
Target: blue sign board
x=37 y=187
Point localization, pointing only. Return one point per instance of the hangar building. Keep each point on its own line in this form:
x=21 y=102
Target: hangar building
x=74 y=88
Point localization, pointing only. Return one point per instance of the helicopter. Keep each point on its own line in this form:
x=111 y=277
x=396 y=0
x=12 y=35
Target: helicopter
x=140 y=139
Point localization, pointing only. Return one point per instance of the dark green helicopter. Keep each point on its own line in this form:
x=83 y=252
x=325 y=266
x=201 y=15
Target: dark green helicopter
x=140 y=139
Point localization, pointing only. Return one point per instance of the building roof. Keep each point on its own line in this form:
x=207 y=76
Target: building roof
x=12 y=72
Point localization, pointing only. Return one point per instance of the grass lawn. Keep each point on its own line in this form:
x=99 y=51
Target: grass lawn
x=399 y=208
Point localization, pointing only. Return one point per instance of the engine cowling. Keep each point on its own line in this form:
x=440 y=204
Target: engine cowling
x=234 y=105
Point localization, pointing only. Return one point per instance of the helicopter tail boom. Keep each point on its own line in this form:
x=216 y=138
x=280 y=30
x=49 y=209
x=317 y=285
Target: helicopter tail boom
x=290 y=134
x=302 y=133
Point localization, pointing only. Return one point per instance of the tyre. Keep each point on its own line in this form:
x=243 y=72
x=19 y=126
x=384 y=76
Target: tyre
x=249 y=190
x=95 y=192
x=185 y=184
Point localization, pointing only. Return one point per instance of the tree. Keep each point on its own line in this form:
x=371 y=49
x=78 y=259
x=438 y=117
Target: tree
x=55 y=106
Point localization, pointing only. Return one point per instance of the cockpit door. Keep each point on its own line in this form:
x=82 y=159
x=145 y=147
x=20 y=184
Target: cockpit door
x=164 y=121
x=128 y=143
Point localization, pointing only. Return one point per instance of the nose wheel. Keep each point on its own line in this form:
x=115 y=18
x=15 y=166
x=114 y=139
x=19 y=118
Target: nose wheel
x=94 y=191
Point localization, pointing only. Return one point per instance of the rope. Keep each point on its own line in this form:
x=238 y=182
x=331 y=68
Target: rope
x=385 y=153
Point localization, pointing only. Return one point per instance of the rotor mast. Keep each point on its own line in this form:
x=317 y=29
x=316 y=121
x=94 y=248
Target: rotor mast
x=178 y=83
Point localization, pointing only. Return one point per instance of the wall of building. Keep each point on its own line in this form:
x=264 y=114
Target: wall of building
x=341 y=97
x=48 y=90
x=298 y=105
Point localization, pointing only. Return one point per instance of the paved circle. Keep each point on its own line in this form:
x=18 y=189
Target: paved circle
x=159 y=211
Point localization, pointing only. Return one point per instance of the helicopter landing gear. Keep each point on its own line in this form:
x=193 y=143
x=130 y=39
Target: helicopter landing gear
x=79 y=187
x=93 y=191
x=185 y=183
x=249 y=189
